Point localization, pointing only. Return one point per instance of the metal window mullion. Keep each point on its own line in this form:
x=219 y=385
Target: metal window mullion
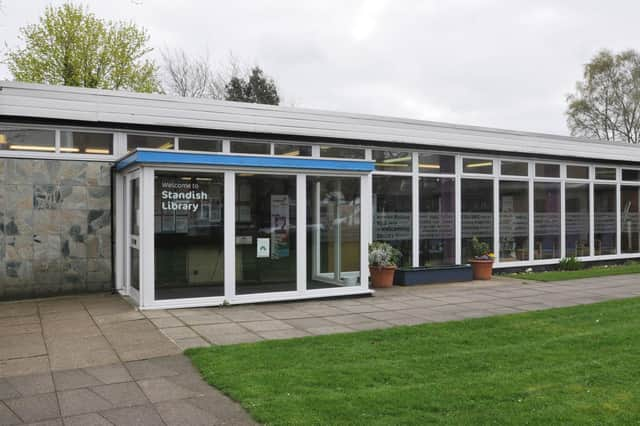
x=229 y=235
x=532 y=213
x=301 y=234
x=591 y=219
x=618 y=219
x=57 y=141
x=415 y=211
x=458 y=209
x=563 y=219
x=496 y=219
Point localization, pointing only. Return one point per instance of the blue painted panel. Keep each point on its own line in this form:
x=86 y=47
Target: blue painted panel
x=230 y=160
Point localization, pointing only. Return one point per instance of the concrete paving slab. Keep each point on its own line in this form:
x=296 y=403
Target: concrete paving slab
x=92 y=419
x=81 y=401
x=144 y=415
x=126 y=394
x=35 y=408
x=111 y=373
x=22 y=366
x=32 y=384
x=7 y=417
x=161 y=389
x=73 y=379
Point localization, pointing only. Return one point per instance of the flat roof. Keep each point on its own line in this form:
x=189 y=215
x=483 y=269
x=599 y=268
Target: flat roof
x=114 y=108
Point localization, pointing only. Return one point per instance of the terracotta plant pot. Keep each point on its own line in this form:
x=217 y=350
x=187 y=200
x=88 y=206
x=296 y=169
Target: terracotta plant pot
x=482 y=269
x=381 y=276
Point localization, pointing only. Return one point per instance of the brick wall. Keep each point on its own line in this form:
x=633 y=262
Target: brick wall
x=55 y=227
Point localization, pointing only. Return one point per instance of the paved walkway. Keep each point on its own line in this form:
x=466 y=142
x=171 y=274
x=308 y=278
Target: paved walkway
x=95 y=360
x=389 y=307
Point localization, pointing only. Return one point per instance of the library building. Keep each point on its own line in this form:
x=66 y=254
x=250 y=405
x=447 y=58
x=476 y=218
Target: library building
x=179 y=202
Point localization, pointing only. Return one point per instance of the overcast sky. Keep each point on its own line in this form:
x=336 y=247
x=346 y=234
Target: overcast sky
x=506 y=64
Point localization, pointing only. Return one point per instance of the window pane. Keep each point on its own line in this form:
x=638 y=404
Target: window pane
x=86 y=143
x=514 y=168
x=605 y=173
x=340 y=152
x=266 y=249
x=392 y=161
x=208 y=145
x=477 y=165
x=392 y=213
x=547 y=170
x=630 y=217
x=437 y=221
x=16 y=139
x=477 y=214
x=514 y=221
x=250 y=147
x=189 y=235
x=577 y=219
x=546 y=220
x=144 y=141
x=292 y=150
x=135 y=206
x=578 y=172
x=333 y=232
x=605 y=220
x=631 y=175
x=437 y=163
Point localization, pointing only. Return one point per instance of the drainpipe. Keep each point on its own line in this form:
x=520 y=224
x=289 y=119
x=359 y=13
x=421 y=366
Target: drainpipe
x=113 y=230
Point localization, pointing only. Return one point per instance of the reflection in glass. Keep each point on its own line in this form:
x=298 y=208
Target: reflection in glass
x=605 y=221
x=514 y=168
x=546 y=225
x=437 y=163
x=189 y=235
x=605 y=173
x=208 y=145
x=134 y=268
x=292 y=150
x=547 y=170
x=333 y=232
x=437 y=221
x=342 y=152
x=242 y=147
x=392 y=213
x=86 y=143
x=514 y=221
x=393 y=161
x=146 y=141
x=477 y=214
x=477 y=165
x=631 y=175
x=577 y=172
x=630 y=220
x=17 y=139
x=577 y=219
x=266 y=248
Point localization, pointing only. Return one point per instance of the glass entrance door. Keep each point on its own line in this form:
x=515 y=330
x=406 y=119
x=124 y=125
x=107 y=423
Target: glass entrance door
x=132 y=235
x=265 y=233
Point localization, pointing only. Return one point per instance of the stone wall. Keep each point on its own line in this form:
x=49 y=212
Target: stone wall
x=55 y=227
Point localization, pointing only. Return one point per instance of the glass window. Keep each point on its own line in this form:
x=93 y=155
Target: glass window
x=630 y=217
x=514 y=220
x=631 y=175
x=341 y=152
x=477 y=214
x=86 y=143
x=547 y=170
x=514 y=168
x=189 y=235
x=605 y=222
x=208 y=145
x=241 y=147
x=392 y=161
x=266 y=248
x=437 y=163
x=578 y=172
x=292 y=150
x=477 y=165
x=333 y=232
x=605 y=173
x=546 y=223
x=577 y=221
x=145 y=141
x=16 y=139
x=135 y=206
x=392 y=213
x=437 y=221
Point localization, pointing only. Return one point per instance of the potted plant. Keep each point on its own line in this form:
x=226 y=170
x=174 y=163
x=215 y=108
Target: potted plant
x=482 y=262
x=383 y=261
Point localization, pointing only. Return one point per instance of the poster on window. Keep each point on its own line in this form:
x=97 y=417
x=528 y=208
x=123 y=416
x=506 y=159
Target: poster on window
x=279 y=226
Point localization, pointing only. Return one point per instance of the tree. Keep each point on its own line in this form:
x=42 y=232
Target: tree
x=190 y=77
x=72 y=47
x=255 y=88
x=606 y=104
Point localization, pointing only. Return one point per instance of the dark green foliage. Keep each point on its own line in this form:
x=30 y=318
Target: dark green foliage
x=479 y=249
x=256 y=88
x=596 y=271
x=566 y=366
x=569 y=264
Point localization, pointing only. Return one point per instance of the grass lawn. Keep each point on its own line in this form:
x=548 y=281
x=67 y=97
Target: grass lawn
x=597 y=271
x=574 y=365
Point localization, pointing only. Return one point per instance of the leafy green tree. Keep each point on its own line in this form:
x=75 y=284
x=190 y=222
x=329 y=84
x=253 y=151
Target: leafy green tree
x=255 y=88
x=71 y=46
x=606 y=104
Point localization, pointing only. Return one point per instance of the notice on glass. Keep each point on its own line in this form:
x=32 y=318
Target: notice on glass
x=262 y=247
x=279 y=226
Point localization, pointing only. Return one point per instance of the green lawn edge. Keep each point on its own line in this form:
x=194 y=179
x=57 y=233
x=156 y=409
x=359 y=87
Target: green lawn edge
x=594 y=272
x=573 y=365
